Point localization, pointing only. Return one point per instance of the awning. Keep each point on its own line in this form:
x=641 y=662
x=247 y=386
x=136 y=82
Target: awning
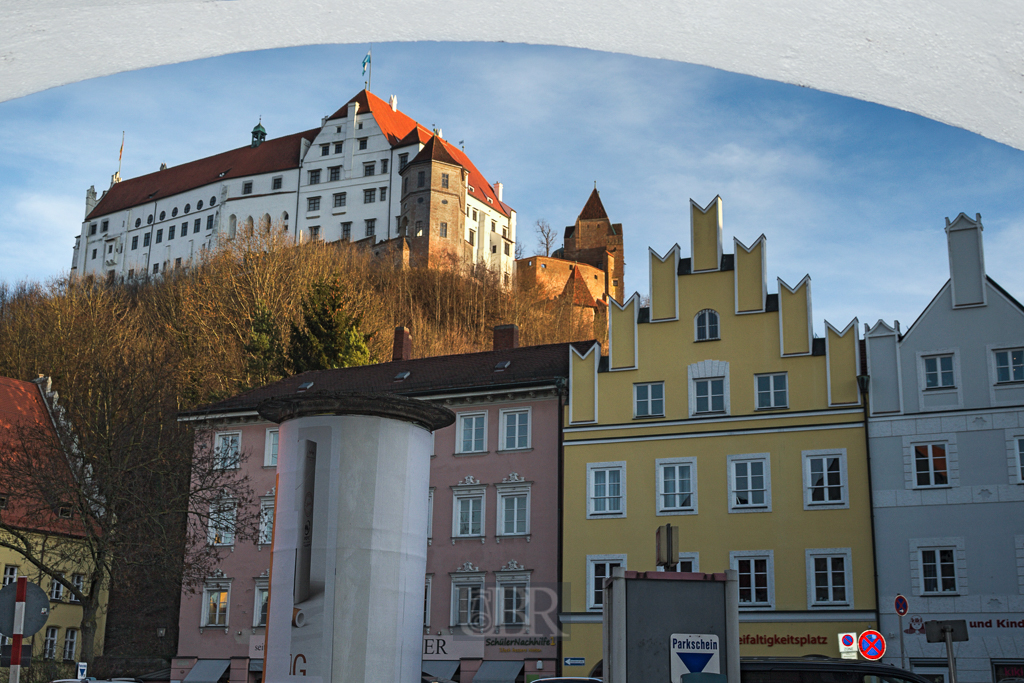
x=207 y=671
x=440 y=668
x=493 y=671
x=255 y=665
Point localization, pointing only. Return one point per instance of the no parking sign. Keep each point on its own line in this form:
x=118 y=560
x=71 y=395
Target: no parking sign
x=871 y=645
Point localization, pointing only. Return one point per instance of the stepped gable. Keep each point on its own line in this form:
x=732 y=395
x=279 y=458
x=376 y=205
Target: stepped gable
x=279 y=154
x=440 y=149
x=576 y=289
x=529 y=366
x=394 y=124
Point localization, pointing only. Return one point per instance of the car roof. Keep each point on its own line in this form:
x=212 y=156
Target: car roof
x=822 y=662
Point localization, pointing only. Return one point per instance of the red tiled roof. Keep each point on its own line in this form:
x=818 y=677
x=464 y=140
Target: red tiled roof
x=529 y=366
x=576 y=288
x=394 y=124
x=273 y=155
x=21 y=404
x=593 y=209
x=438 y=149
x=434 y=150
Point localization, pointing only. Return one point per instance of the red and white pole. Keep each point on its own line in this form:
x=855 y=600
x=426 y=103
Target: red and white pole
x=19 y=627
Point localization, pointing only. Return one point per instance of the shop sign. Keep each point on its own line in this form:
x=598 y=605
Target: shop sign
x=256 y=644
x=452 y=647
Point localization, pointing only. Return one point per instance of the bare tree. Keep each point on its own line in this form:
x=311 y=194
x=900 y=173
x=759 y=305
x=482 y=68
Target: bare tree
x=546 y=236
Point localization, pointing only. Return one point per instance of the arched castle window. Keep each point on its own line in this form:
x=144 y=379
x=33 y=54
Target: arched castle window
x=265 y=223
x=248 y=226
x=232 y=224
x=706 y=325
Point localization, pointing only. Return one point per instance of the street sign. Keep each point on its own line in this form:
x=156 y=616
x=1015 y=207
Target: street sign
x=871 y=645
x=693 y=653
x=37 y=609
x=83 y=669
x=574 y=661
x=848 y=645
x=901 y=605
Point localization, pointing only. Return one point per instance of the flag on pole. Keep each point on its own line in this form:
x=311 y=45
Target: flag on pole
x=119 y=154
x=366 y=61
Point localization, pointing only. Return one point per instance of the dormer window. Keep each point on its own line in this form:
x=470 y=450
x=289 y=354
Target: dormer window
x=503 y=365
x=403 y=375
x=706 y=325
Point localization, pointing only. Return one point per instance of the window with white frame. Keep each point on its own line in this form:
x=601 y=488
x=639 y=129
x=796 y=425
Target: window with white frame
x=56 y=589
x=1010 y=365
x=227 y=449
x=10 y=573
x=468 y=510
x=938 y=570
x=1020 y=461
x=430 y=513
x=513 y=509
x=270 y=449
x=829 y=578
x=50 y=643
x=513 y=590
x=688 y=562
x=599 y=568
x=261 y=603
x=472 y=434
x=70 y=644
x=78 y=581
x=606 y=489
x=756 y=570
x=931 y=467
x=216 y=600
x=750 y=483
x=426 y=599
x=515 y=429
x=706 y=325
x=649 y=399
x=266 y=533
x=677 y=485
x=772 y=391
x=468 y=600
x=221 y=525
x=938 y=372
x=710 y=395
x=825 y=482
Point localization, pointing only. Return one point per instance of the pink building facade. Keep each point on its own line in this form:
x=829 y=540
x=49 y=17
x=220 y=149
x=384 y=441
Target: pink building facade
x=491 y=591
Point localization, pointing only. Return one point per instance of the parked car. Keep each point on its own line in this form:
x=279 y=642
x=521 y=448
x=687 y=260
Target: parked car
x=809 y=669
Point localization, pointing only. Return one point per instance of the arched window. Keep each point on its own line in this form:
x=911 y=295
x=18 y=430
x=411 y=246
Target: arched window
x=706 y=324
x=248 y=226
x=232 y=223
x=265 y=223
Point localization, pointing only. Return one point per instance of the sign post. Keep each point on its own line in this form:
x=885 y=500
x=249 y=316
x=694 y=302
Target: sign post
x=949 y=632
x=19 y=627
x=848 y=645
x=666 y=540
x=902 y=607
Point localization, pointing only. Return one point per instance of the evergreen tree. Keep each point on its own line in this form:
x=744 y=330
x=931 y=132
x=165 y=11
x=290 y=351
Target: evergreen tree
x=328 y=337
x=264 y=351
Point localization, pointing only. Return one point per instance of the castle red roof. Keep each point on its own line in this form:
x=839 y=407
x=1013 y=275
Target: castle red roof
x=394 y=124
x=479 y=188
x=21 y=405
x=278 y=154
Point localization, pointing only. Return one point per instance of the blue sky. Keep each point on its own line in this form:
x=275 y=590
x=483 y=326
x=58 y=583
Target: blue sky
x=853 y=193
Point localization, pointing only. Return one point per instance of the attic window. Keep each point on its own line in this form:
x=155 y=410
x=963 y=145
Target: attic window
x=502 y=366
x=3 y=500
x=489 y=201
x=64 y=512
x=222 y=174
x=404 y=374
x=305 y=385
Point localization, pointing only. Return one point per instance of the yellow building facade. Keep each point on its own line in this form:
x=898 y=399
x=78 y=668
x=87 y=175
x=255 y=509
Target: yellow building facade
x=718 y=411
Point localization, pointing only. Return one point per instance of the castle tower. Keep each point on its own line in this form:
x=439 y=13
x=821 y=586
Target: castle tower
x=596 y=241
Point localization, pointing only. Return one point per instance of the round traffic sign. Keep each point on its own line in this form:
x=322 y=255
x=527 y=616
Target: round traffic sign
x=871 y=645
x=37 y=608
x=902 y=606
x=847 y=640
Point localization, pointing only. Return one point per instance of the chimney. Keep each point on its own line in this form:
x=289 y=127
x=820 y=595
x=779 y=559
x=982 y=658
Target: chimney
x=90 y=199
x=506 y=337
x=498 y=187
x=393 y=101
x=163 y=166
x=966 y=261
x=403 y=344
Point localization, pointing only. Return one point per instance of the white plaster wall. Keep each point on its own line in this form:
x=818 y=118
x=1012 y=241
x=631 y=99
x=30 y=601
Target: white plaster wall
x=955 y=61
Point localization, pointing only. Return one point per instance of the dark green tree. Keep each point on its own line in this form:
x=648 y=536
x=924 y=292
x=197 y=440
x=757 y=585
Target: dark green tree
x=328 y=336
x=265 y=360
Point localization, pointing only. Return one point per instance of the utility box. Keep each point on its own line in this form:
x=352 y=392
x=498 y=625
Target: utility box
x=671 y=627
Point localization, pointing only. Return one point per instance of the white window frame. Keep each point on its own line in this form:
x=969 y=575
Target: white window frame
x=995 y=364
x=463 y=492
x=219 y=461
x=931 y=464
x=659 y=504
x=506 y=580
x=78 y=581
x=607 y=466
x=957 y=387
x=707 y=370
x=696 y=326
x=511 y=490
x=692 y=557
x=734 y=558
x=1015 y=455
x=937 y=550
x=50 y=642
x=70 y=638
x=266 y=530
x=593 y=560
x=467 y=580
x=811 y=554
x=502 y=416
x=809 y=503
x=428 y=580
x=750 y=457
x=460 y=417
x=56 y=590
x=910 y=459
x=649 y=400
x=271 y=447
x=771 y=376
x=228 y=534
x=430 y=515
x=261 y=587
x=939 y=371
x=210 y=586
x=954 y=543
x=710 y=381
x=10 y=576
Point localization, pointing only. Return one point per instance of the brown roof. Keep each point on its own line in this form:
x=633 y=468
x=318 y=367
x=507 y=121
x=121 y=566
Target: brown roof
x=434 y=150
x=529 y=366
x=440 y=149
x=576 y=288
x=278 y=154
x=593 y=209
x=394 y=124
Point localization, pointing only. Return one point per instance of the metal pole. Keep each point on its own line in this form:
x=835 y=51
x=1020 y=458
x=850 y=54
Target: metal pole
x=19 y=628
x=903 y=651
x=732 y=623
x=948 y=630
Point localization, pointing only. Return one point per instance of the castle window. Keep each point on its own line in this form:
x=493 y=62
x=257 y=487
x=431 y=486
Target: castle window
x=338 y=147
x=494 y=226
x=494 y=248
x=145 y=239
x=149 y=219
x=312 y=204
x=444 y=180
x=159 y=235
x=369 y=168
x=163 y=215
x=275 y=184
x=247 y=187
x=105 y=226
x=209 y=222
x=369 y=196
x=138 y=222
x=383 y=166
x=325 y=150
x=135 y=242
x=92 y=229
x=419 y=229
x=314 y=177
x=472 y=237
x=199 y=205
x=314 y=233
x=93 y=254
x=334 y=173
x=346 y=230
x=706 y=325
x=383 y=194
x=362 y=142
x=443 y=230
x=339 y=199
x=421 y=179
x=371 y=226
x=170 y=233
x=213 y=200
x=188 y=207
x=403 y=161
x=507 y=249
x=174 y=212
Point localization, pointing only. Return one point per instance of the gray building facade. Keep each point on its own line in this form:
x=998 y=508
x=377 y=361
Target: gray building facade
x=946 y=437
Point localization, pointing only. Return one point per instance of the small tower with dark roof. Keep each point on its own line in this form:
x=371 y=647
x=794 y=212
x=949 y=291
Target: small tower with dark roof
x=434 y=189
x=595 y=240
x=259 y=134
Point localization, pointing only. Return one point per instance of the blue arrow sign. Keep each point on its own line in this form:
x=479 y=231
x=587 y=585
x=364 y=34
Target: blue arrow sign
x=695 y=661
